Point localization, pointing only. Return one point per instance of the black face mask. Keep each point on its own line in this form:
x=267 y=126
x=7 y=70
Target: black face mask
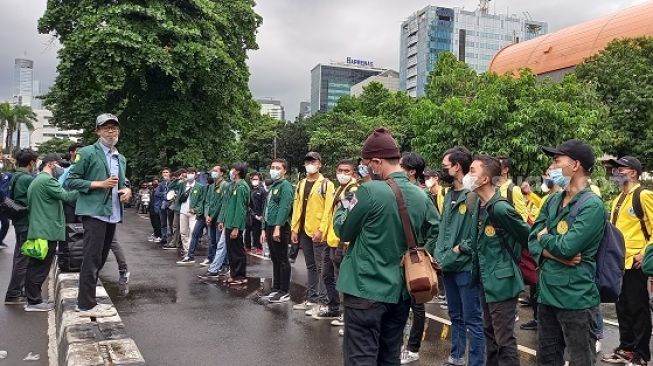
x=446 y=177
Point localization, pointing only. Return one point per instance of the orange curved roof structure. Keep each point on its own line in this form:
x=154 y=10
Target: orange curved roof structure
x=570 y=46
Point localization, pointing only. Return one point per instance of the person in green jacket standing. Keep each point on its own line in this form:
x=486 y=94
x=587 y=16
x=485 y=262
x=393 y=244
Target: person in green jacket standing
x=173 y=193
x=276 y=230
x=213 y=195
x=46 y=222
x=371 y=277
x=496 y=248
x=99 y=176
x=20 y=181
x=216 y=206
x=234 y=223
x=454 y=253
x=565 y=252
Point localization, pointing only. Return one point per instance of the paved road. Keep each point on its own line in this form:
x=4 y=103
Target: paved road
x=177 y=319
x=20 y=332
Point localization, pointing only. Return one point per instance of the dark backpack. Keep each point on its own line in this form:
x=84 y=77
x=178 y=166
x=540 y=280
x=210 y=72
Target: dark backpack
x=610 y=257
x=639 y=212
x=5 y=185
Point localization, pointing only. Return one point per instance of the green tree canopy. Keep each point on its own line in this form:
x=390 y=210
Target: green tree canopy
x=55 y=145
x=173 y=71
x=623 y=76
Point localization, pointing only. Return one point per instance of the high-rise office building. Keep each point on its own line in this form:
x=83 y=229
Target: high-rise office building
x=23 y=92
x=389 y=79
x=304 y=109
x=272 y=108
x=473 y=36
x=331 y=81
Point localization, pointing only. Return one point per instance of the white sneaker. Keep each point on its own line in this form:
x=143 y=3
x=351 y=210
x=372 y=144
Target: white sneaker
x=303 y=306
x=315 y=310
x=186 y=262
x=205 y=263
x=157 y=240
x=44 y=306
x=99 y=311
x=408 y=357
x=338 y=322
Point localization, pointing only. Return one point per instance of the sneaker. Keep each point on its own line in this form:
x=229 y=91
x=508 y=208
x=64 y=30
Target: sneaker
x=16 y=300
x=151 y=238
x=529 y=325
x=338 y=322
x=168 y=247
x=98 y=311
x=259 y=251
x=209 y=275
x=637 y=361
x=444 y=307
x=440 y=300
x=186 y=261
x=279 y=297
x=44 y=306
x=326 y=314
x=223 y=271
x=303 y=306
x=123 y=284
x=408 y=357
x=619 y=356
x=341 y=332
x=205 y=263
x=157 y=240
x=597 y=346
x=267 y=294
x=315 y=310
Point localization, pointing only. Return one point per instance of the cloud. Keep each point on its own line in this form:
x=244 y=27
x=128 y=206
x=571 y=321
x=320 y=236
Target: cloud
x=295 y=36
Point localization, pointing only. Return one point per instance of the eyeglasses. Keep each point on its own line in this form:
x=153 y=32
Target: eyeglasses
x=110 y=128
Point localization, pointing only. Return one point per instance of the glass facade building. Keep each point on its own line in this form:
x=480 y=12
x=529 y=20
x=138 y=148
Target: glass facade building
x=473 y=36
x=329 y=82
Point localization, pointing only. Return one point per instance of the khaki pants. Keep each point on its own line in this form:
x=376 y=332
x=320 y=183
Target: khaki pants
x=186 y=225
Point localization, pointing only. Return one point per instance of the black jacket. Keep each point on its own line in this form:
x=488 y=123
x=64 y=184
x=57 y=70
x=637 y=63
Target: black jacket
x=258 y=195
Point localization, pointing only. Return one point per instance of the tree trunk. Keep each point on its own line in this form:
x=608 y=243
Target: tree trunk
x=18 y=137
x=10 y=135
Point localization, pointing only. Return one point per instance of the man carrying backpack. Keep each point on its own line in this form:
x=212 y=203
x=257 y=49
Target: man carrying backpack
x=564 y=242
x=496 y=247
x=632 y=214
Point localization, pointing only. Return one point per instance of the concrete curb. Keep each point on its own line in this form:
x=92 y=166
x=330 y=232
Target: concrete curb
x=89 y=341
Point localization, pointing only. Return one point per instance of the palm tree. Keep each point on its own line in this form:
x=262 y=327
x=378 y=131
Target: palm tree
x=6 y=120
x=23 y=115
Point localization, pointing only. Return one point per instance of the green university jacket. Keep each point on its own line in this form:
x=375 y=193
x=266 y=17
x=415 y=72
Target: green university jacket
x=196 y=197
x=371 y=268
x=46 y=217
x=455 y=229
x=561 y=286
x=236 y=212
x=492 y=264
x=91 y=165
x=278 y=207
x=19 y=184
x=213 y=199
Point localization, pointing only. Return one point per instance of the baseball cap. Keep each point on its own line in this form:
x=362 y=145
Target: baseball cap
x=312 y=155
x=104 y=118
x=576 y=150
x=628 y=162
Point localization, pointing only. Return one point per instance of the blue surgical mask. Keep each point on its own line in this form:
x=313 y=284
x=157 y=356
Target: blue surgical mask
x=363 y=170
x=558 y=178
x=275 y=174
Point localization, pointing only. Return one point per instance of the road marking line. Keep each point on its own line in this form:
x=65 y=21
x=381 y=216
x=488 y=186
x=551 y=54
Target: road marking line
x=259 y=256
x=53 y=355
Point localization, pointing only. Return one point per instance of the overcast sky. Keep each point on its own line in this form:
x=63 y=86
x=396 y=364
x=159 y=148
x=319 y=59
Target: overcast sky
x=295 y=36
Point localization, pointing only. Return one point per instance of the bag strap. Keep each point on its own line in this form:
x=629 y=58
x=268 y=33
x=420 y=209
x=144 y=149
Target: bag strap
x=577 y=206
x=403 y=214
x=617 y=207
x=15 y=178
x=509 y=193
x=639 y=211
x=499 y=230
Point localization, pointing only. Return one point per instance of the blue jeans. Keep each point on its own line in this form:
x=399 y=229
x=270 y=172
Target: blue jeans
x=466 y=318
x=220 y=254
x=198 y=230
x=163 y=216
x=213 y=241
x=599 y=324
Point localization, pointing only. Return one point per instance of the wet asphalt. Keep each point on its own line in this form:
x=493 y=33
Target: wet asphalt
x=178 y=319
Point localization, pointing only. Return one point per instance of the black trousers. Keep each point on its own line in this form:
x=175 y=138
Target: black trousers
x=329 y=276
x=19 y=270
x=4 y=228
x=294 y=251
x=98 y=236
x=237 y=256
x=561 y=332
x=373 y=333
x=634 y=314
x=253 y=234
x=499 y=329
x=155 y=220
x=37 y=272
x=417 y=328
x=279 y=255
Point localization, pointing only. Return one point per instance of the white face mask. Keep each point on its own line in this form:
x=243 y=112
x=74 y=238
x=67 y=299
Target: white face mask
x=469 y=182
x=311 y=168
x=275 y=174
x=430 y=183
x=109 y=142
x=190 y=177
x=343 y=178
x=255 y=183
